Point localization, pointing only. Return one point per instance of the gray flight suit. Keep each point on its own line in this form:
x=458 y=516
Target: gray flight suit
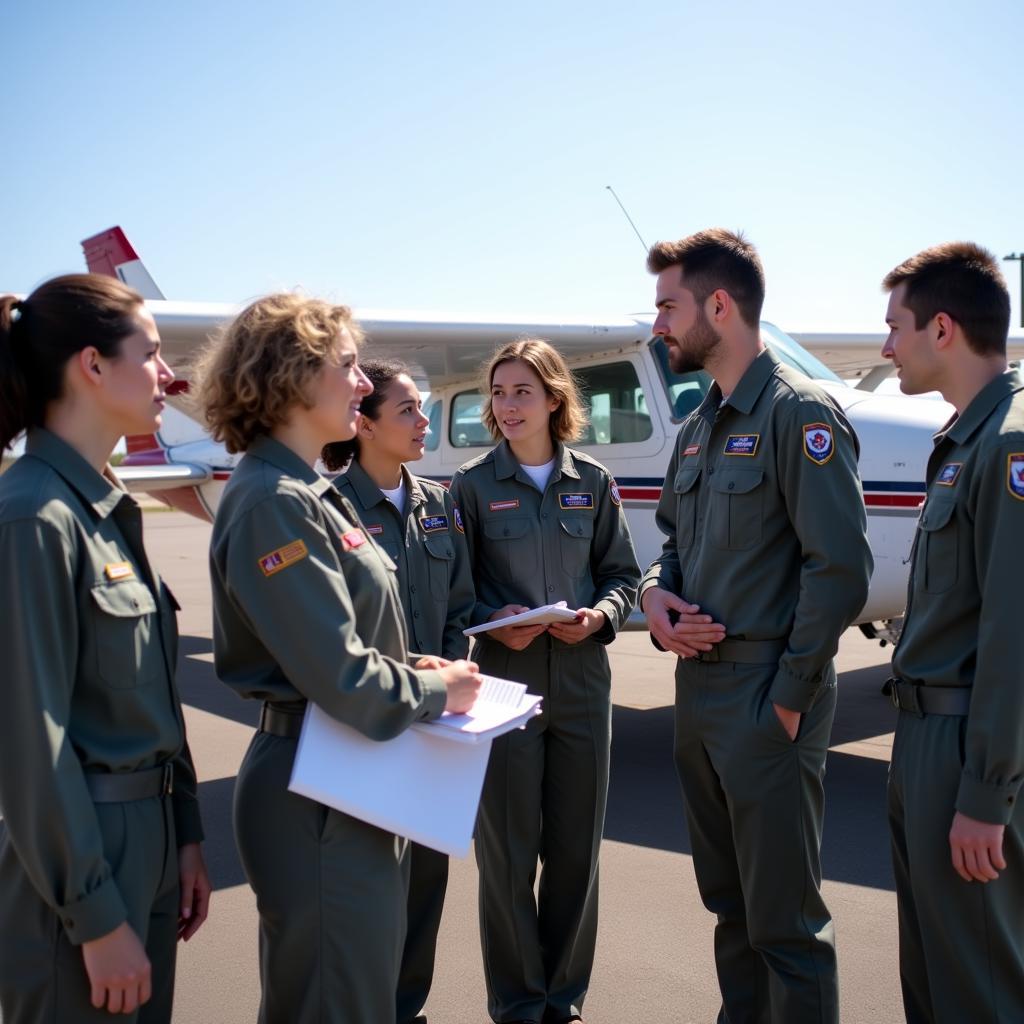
x=962 y=943
x=766 y=531
x=546 y=786
x=305 y=607
x=89 y=640
x=436 y=586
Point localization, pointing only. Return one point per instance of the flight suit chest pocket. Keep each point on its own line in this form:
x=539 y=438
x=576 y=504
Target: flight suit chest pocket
x=735 y=511
x=686 y=491
x=126 y=633
x=574 y=544
x=440 y=560
x=941 y=551
x=510 y=550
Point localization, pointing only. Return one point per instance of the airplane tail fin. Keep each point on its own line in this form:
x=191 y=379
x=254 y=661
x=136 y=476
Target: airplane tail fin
x=112 y=254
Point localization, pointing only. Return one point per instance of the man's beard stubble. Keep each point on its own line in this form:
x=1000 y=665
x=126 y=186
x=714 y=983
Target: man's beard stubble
x=692 y=351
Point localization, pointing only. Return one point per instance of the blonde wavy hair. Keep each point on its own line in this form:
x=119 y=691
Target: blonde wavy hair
x=570 y=419
x=263 y=363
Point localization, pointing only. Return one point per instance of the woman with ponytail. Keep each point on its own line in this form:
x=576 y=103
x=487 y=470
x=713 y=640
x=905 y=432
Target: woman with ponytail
x=100 y=865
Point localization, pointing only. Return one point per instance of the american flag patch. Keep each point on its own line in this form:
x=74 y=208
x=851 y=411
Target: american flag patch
x=283 y=557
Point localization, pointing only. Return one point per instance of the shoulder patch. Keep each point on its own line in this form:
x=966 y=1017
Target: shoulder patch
x=505 y=505
x=613 y=493
x=457 y=516
x=741 y=444
x=818 y=443
x=433 y=524
x=1015 y=474
x=374 y=529
x=691 y=449
x=575 y=499
x=282 y=557
x=118 y=571
x=948 y=474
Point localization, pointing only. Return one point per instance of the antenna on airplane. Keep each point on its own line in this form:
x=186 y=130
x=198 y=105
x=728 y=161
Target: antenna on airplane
x=627 y=216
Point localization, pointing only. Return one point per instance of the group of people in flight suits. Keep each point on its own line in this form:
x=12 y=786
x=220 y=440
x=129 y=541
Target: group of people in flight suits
x=354 y=592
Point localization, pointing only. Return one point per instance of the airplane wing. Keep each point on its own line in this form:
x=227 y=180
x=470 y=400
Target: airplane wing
x=162 y=478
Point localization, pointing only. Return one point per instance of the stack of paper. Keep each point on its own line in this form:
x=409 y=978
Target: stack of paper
x=424 y=784
x=535 y=616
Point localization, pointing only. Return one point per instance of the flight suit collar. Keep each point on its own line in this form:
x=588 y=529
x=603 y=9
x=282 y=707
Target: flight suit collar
x=281 y=457
x=369 y=494
x=752 y=383
x=507 y=465
x=103 y=492
x=961 y=428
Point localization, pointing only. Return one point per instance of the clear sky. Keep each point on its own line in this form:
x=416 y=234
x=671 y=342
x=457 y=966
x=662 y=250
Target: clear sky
x=454 y=156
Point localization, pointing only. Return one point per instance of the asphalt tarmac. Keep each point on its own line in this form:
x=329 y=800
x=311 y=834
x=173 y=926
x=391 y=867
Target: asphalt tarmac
x=654 y=955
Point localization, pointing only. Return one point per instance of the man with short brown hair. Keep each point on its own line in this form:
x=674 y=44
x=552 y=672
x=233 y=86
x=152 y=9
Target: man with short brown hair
x=958 y=758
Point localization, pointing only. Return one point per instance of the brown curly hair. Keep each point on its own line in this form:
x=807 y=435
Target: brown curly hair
x=263 y=363
x=570 y=419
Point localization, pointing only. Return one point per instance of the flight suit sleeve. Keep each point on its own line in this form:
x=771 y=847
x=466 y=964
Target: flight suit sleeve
x=994 y=744
x=465 y=500
x=50 y=816
x=665 y=571
x=302 y=612
x=462 y=593
x=825 y=504
x=612 y=563
x=188 y=825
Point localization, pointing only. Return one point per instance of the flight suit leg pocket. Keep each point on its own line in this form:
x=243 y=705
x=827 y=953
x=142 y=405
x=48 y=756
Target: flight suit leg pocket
x=736 y=508
x=124 y=620
x=941 y=553
x=685 y=488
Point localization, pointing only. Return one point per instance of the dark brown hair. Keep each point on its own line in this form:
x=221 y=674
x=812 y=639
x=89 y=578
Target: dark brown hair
x=39 y=334
x=715 y=259
x=962 y=280
x=380 y=373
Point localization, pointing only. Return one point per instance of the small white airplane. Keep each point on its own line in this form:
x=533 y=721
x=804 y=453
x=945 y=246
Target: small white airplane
x=636 y=406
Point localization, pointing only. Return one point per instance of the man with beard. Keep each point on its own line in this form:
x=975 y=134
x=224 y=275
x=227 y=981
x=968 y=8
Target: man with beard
x=766 y=562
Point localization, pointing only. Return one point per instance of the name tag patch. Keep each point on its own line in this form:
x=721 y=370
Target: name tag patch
x=283 y=557
x=740 y=444
x=948 y=474
x=568 y=501
x=818 y=443
x=353 y=539
x=691 y=449
x=505 y=505
x=375 y=529
x=1015 y=474
x=118 y=571
x=432 y=524
x=457 y=515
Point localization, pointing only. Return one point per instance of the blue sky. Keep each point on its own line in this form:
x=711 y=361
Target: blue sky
x=455 y=156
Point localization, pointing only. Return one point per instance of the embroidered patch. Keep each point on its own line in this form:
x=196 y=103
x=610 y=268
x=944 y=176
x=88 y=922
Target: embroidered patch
x=948 y=474
x=818 y=444
x=432 y=524
x=575 y=500
x=118 y=571
x=375 y=529
x=613 y=491
x=691 y=449
x=505 y=505
x=283 y=557
x=457 y=516
x=353 y=539
x=742 y=444
x=1015 y=474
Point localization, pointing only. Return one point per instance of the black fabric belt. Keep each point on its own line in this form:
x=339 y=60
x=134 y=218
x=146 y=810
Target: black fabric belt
x=122 y=787
x=744 y=652
x=929 y=700
x=281 y=723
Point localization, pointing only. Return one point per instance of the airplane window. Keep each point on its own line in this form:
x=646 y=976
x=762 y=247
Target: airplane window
x=465 y=428
x=794 y=354
x=685 y=390
x=432 y=410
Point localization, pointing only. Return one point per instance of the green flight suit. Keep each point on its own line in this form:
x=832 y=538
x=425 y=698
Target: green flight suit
x=546 y=786
x=305 y=607
x=436 y=586
x=89 y=641
x=962 y=943
x=766 y=531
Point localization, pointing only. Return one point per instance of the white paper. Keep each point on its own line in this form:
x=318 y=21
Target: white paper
x=419 y=784
x=501 y=706
x=535 y=616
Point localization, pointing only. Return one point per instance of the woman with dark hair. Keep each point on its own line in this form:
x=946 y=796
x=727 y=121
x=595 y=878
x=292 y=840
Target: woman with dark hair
x=544 y=524
x=306 y=609
x=100 y=865
x=414 y=520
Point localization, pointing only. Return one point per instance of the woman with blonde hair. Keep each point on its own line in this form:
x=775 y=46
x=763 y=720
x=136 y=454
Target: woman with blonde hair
x=544 y=524
x=100 y=865
x=306 y=608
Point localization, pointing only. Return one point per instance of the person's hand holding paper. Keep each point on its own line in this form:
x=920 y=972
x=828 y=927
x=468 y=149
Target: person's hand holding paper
x=515 y=637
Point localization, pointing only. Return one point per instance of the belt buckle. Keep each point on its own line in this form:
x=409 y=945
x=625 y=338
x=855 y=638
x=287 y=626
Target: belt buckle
x=167 y=783
x=707 y=657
